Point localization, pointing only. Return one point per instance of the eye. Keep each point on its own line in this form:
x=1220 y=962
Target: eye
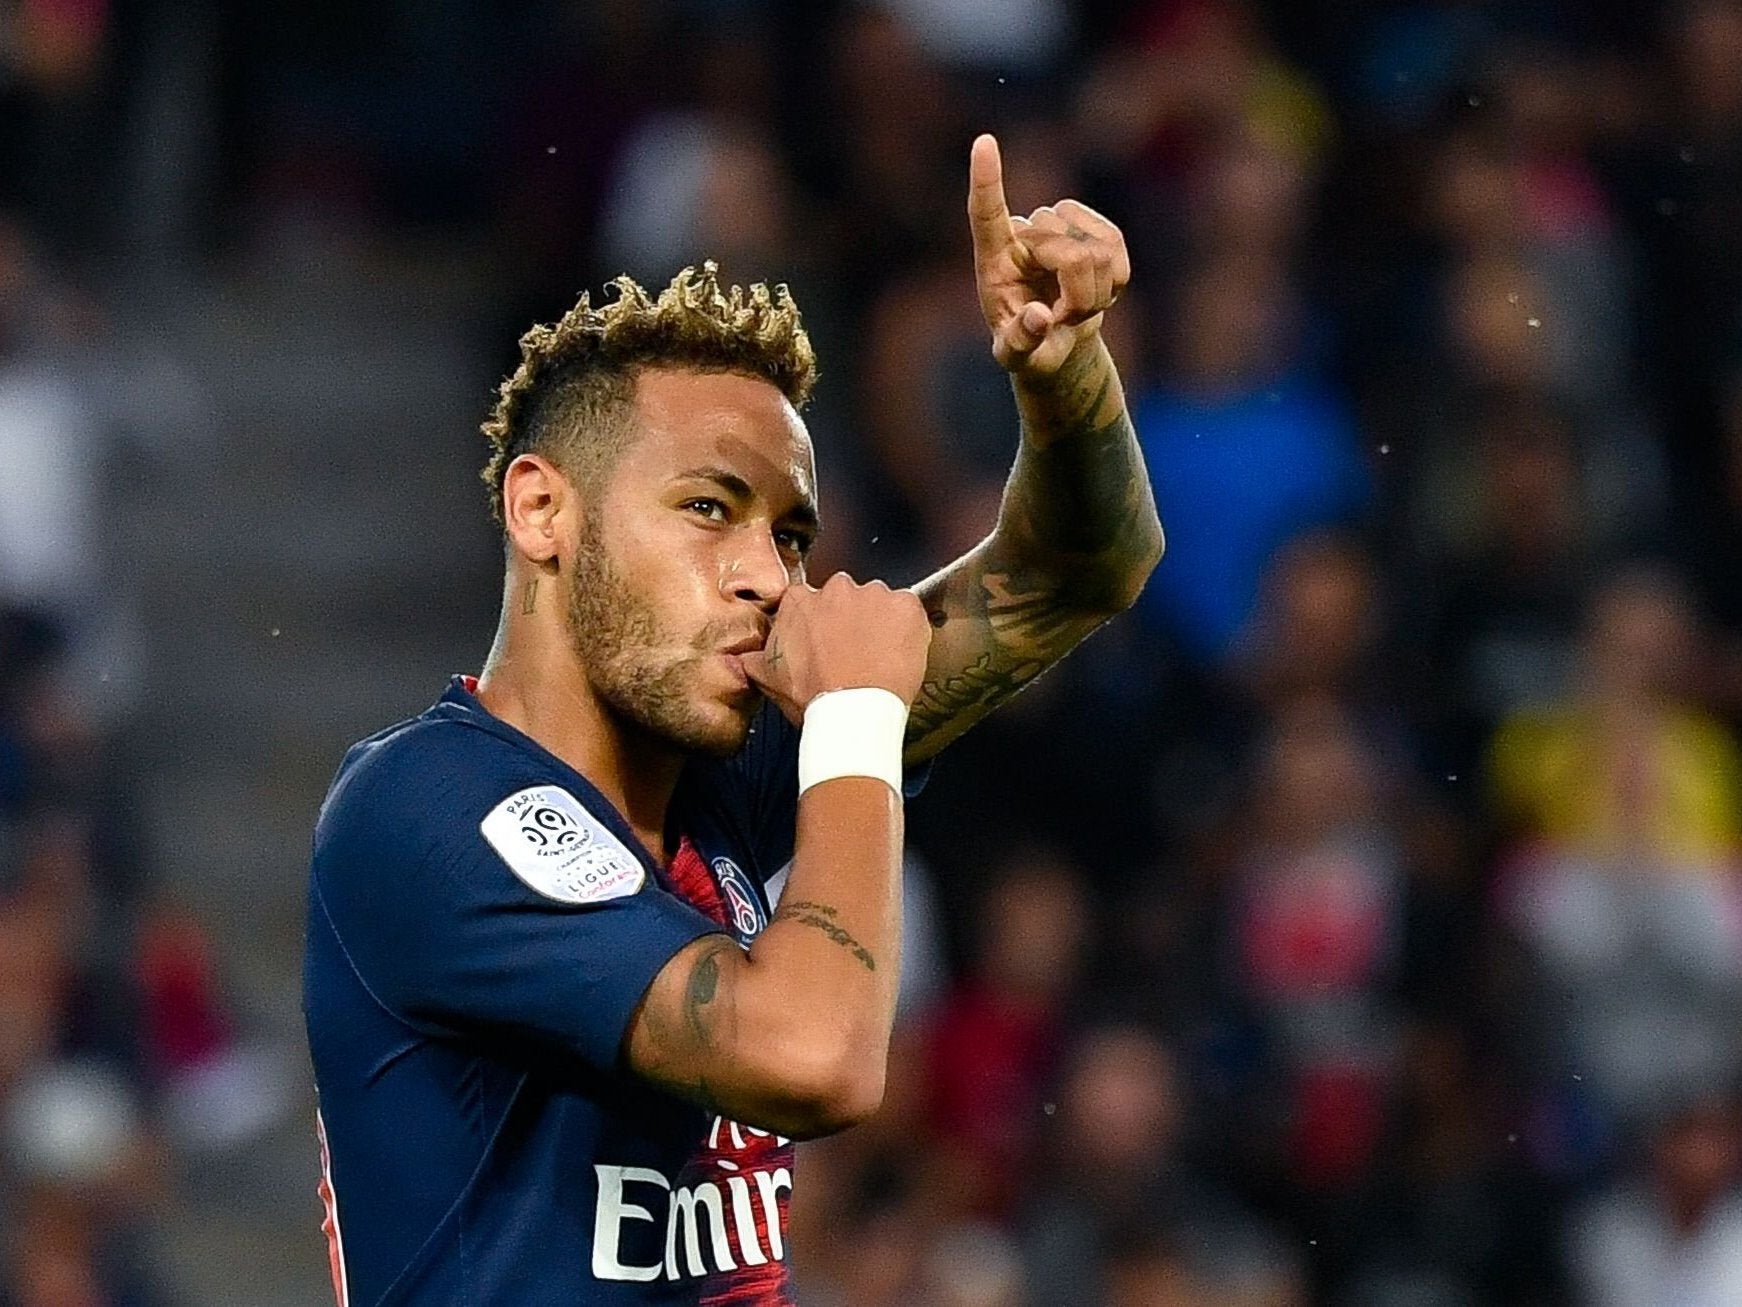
x=712 y=509
x=798 y=542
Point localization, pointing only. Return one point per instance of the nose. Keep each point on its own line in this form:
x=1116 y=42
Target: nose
x=756 y=573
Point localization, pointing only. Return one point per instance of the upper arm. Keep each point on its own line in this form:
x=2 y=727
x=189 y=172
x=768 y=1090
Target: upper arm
x=687 y=1021
x=709 y=1031
x=996 y=625
x=454 y=940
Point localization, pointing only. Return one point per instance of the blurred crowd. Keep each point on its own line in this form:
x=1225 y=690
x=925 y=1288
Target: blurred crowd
x=119 y=1054
x=1358 y=921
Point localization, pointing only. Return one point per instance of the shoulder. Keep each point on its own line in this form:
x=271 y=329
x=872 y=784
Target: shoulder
x=416 y=800
x=445 y=811
x=424 y=770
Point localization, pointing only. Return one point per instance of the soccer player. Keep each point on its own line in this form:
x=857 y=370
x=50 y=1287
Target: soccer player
x=561 y=1043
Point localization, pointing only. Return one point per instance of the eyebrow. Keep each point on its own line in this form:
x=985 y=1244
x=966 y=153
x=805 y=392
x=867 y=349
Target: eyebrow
x=804 y=512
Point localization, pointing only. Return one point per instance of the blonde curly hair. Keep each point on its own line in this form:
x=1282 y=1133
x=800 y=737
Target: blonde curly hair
x=570 y=397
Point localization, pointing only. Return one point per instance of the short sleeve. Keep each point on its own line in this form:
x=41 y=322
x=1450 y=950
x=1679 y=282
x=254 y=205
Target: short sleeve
x=472 y=901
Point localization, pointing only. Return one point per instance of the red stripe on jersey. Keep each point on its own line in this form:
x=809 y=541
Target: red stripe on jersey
x=751 y=1167
x=693 y=881
x=330 y=1219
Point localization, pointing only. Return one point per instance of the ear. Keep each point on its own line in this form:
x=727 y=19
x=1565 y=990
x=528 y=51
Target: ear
x=536 y=497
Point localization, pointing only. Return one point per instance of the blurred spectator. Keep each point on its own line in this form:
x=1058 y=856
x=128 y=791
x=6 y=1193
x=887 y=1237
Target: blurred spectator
x=1624 y=888
x=705 y=180
x=996 y=1038
x=1118 y=1211
x=1567 y=221
x=50 y=446
x=1016 y=37
x=1494 y=619
x=1317 y=629
x=1533 y=299
x=1447 y=1219
x=973 y=1265
x=76 y=1148
x=55 y=136
x=1683 y=178
x=890 y=111
x=1672 y=1230
x=1190 y=75
x=1628 y=765
x=1248 y=447
x=1314 y=920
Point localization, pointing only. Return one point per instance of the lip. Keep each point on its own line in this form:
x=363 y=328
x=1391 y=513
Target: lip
x=735 y=665
x=749 y=644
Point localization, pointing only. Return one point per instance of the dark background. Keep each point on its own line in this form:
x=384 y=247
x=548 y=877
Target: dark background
x=1357 y=922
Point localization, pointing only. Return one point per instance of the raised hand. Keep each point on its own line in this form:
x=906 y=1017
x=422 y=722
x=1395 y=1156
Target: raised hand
x=1044 y=280
x=838 y=637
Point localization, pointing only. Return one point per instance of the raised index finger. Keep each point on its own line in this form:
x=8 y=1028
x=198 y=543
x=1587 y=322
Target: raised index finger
x=988 y=214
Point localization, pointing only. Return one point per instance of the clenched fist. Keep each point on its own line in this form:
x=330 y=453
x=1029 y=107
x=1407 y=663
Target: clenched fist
x=1044 y=280
x=839 y=637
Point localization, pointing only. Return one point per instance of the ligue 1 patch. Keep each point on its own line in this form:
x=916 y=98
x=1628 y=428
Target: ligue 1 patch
x=740 y=899
x=556 y=848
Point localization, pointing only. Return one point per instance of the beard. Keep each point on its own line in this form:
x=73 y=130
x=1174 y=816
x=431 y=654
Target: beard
x=624 y=648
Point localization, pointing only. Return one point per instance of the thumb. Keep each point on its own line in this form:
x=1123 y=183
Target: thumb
x=756 y=666
x=766 y=677
x=1051 y=353
x=1022 y=333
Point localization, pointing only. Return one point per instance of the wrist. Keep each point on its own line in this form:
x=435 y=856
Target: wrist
x=852 y=732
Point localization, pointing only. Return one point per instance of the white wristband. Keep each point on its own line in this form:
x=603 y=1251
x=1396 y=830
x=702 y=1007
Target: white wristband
x=855 y=732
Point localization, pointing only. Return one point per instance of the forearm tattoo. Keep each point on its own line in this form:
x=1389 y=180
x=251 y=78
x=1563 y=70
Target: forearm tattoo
x=1077 y=533
x=1079 y=492
x=822 y=917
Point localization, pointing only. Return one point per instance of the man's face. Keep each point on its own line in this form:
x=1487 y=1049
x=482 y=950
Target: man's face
x=684 y=553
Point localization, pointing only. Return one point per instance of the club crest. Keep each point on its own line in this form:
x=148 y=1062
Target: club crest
x=742 y=904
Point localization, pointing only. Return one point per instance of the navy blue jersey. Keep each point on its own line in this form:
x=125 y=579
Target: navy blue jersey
x=482 y=925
